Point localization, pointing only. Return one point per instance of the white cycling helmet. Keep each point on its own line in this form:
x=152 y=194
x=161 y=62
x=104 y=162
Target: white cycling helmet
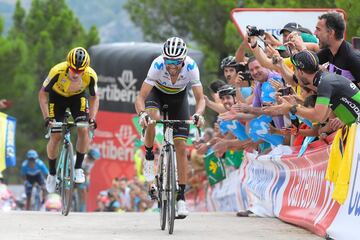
x=174 y=48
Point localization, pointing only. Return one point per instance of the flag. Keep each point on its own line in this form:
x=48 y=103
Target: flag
x=234 y=158
x=7 y=141
x=214 y=168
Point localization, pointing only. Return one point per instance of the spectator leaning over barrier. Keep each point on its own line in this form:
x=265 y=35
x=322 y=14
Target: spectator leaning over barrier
x=333 y=91
x=336 y=52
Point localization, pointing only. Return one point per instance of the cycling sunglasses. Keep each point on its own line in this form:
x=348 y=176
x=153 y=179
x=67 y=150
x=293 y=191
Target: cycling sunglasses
x=173 y=61
x=75 y=70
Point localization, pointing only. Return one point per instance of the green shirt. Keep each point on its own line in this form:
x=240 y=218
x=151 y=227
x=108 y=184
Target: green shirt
x=340 y=94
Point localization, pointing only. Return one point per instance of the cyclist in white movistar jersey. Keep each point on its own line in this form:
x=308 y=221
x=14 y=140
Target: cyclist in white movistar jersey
x=166 y=83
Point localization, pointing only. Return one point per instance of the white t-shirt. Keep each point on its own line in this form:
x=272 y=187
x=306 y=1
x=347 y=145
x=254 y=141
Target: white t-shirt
x=159 y=77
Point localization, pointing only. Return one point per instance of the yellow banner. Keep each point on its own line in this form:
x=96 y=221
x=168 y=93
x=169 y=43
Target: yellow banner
x=3 y=126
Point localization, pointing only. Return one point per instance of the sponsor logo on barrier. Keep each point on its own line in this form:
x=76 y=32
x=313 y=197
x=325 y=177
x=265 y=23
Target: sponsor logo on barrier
x=354 y=205
x=304 y=193
x=259 y=180
x=118 y=89
x=280 y=181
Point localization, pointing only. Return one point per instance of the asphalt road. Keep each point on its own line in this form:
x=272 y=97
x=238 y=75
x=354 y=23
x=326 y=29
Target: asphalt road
x=131 y=226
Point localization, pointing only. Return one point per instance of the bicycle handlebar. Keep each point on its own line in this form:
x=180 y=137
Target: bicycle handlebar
x=190 y=122
x=66 y=124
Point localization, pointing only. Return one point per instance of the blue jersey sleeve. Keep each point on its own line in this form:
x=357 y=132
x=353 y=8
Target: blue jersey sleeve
x=43 y=168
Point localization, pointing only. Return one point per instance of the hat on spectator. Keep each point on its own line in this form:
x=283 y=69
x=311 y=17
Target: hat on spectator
x=290 y=27
x=306 y=60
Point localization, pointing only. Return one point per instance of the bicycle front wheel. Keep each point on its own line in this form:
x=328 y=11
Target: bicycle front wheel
x=67 y=180
x=162 y=202
x=171 y=187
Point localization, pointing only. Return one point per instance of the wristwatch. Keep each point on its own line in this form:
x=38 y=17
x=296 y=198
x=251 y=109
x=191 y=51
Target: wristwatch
x=293 y=109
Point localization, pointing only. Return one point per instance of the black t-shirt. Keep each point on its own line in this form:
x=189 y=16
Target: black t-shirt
x=340 y=94
x=346 y=61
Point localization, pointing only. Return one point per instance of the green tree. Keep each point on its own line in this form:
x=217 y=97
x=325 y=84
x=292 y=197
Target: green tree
x=36 y=42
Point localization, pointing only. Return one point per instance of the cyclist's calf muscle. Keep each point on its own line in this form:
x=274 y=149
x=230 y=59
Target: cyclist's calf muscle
x=53 y=145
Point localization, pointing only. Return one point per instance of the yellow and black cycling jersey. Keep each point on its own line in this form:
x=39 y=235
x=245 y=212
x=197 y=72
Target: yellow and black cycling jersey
x=59 y=82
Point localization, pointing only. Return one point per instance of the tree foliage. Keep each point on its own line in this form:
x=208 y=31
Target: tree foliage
x=208 y=23
x=37 y=40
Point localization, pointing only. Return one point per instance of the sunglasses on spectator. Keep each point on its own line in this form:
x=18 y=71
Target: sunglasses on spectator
x=75 y=70
x=173 y=61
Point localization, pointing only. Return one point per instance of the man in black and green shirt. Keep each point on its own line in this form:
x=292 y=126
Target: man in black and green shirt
x=334 y=91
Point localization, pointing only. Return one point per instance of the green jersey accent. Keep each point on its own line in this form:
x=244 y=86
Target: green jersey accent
x=340 y=94
x=322 y=101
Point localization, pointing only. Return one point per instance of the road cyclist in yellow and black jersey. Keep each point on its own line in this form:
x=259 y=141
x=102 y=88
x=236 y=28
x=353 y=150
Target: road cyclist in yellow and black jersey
x=70 y=84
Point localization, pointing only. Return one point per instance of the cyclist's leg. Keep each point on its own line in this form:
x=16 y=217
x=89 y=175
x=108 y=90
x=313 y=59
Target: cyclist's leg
x=80 y=112
x=179 y=109
x=41 y=182
x=57 y=107
x=152 y=106
x=28 y=190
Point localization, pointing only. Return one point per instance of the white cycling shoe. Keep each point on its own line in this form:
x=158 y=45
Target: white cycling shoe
x=182 y=209
x=50 y=183
x=149 y=170
x=79 y=176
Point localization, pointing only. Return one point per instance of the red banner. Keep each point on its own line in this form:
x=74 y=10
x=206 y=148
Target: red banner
x=115 y=138
x=307 y=198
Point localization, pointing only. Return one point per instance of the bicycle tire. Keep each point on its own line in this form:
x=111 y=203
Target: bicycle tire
x=171 y=188
x=67 y=180
x=162 y=202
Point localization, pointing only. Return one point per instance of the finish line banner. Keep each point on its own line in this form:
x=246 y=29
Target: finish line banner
x=7 y=141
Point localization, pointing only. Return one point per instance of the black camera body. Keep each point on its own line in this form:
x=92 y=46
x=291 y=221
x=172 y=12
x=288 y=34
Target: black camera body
x=253 y=31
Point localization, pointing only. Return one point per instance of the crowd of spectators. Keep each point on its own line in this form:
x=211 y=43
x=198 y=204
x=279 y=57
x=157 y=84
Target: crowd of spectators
x=125 y=195
x=284 y=90
x=255 y=85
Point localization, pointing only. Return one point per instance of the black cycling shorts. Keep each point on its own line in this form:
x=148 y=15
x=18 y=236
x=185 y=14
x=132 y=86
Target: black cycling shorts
x=178 y=109
x=78 y=105
x=31 y=180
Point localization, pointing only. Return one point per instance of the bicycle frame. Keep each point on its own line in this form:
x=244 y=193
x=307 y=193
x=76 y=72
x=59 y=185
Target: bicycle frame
x=65 y=167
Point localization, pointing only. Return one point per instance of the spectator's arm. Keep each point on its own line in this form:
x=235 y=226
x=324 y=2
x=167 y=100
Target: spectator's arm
x=240 y=52
x=260 y=55
x=217 y=107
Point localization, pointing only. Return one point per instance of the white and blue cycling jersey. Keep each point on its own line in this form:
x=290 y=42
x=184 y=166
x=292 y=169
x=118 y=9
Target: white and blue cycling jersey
x=160 y=78
x=39 y=168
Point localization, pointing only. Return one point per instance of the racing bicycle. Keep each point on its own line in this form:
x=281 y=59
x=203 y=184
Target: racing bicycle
x=65 y=168
x=166 y=179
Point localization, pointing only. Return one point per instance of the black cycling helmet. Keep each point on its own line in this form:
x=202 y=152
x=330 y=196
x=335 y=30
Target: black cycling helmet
x=227 y=90
x=306 y=61
x=230 y=61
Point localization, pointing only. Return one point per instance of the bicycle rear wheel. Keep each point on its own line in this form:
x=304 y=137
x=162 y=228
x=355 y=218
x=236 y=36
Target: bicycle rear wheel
x=171 y=188
x=67 y=183
x=162 y=202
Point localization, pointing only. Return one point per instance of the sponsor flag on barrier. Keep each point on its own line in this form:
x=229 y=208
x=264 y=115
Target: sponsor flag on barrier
x=234 y=158
x=214 y=168
x=7 y=141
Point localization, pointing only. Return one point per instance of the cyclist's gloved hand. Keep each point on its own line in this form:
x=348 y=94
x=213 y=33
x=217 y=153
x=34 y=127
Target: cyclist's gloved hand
x=92 y=123
x=144 y=119
x=47 y=122
x=198 y=120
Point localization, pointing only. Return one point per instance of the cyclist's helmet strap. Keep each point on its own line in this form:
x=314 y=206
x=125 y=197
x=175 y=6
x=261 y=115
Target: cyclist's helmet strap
x=174 y=48
x=78 y=58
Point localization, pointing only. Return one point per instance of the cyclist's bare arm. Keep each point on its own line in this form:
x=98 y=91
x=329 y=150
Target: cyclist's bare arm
x=94 y=106
x=43 y=101
x=140 y=99
x=200 y=101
